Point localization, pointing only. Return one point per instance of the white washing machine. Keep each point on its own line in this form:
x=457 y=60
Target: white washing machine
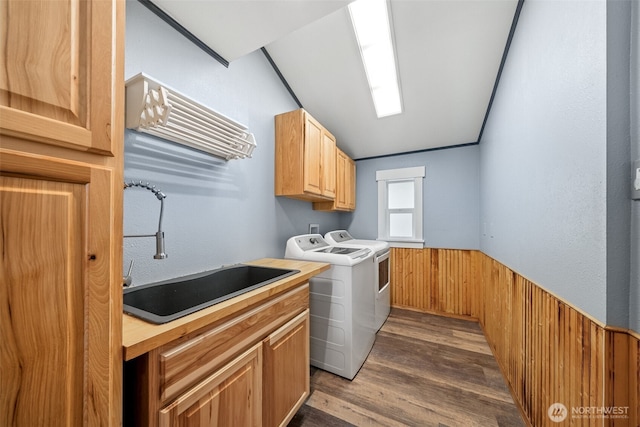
x=381 y=287
x=342 y=307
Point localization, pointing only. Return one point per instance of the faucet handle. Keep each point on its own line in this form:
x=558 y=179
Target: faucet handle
x=126 y=280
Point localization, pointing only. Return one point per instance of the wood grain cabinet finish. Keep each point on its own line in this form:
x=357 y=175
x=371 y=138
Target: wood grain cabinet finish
x=350 y=185
x=305 y=165
x=231 y=396
x=212 y=378
x=328 y=164
x=286 y=371
x=61 y=99
x=42 y=325
x=312 y=150
x=345 y=199
x=57 y=61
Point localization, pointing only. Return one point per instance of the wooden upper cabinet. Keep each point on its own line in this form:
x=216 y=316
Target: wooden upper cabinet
x=57 y=65
x=304 y=158
x=345 y=199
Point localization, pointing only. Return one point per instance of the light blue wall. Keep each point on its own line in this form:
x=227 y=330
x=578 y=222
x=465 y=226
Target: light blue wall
x=543 y=193
x=618 y=162
x=554 y=158
x=216 y=213
x=634 y=300
x=451 y=196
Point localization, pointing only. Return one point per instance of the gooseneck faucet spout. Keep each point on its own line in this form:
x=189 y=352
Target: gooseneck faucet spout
x=159 y=235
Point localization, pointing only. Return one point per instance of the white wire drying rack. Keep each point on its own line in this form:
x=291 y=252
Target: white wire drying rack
x=159 y=110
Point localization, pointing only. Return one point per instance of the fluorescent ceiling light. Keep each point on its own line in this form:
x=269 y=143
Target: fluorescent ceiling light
x=370 y=20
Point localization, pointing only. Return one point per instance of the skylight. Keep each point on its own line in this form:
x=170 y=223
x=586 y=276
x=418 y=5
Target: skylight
x=370 y=20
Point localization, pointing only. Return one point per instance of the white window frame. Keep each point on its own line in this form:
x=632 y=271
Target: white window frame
x=384 y=177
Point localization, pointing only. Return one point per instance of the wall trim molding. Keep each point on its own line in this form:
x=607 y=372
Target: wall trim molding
x=512 y=31
x=284 y=81
x=424 y=150
x=182 y=30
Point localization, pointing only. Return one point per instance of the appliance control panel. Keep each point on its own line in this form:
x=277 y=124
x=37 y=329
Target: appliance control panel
x=311 y=242
x=341 y=236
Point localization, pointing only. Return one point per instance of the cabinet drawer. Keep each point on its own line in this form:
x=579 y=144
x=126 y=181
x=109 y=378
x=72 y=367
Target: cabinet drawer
x=186 y=363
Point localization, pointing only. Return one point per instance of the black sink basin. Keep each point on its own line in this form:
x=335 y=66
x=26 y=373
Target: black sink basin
x=168 y=300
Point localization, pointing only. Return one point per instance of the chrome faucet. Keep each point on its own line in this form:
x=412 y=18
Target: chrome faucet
x=159 y=235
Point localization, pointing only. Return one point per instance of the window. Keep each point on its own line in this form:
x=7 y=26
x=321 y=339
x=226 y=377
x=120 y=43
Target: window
x=400 y=206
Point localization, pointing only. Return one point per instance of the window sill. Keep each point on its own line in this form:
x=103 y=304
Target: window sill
x=411 y=244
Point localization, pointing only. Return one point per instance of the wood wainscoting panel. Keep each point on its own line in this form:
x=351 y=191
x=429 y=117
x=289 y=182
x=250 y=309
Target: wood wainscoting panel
x=634 y=374
x=436 y=280
x=548 y=351
x=623 y=376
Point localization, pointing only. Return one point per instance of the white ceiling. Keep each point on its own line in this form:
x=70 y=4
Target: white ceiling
x=234 y=28
x=448 y=52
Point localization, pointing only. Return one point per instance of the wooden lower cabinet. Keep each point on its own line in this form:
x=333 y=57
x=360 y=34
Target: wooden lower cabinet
x=41 y=323
x=231 y=396
x=59 y=330
x=286 y=371
x=249 y=369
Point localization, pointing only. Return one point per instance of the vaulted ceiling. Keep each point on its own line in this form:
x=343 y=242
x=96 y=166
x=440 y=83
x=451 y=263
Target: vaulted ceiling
x=448 y=51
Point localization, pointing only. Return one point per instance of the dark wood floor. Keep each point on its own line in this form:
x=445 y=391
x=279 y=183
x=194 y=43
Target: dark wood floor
x=423 y=370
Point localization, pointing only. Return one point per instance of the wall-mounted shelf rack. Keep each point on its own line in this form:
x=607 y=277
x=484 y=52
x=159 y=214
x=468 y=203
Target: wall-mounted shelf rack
x=159 y=110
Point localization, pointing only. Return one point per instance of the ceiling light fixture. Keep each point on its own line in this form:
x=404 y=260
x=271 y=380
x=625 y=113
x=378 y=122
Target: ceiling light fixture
x=370 y=19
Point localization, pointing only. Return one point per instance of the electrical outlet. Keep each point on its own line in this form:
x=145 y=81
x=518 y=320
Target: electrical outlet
x=635 y=181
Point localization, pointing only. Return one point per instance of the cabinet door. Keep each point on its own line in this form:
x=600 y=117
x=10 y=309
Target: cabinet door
x=312 y=156
x=41 y=323
x=57 y=63
x=231 y=396
x=328 y=165
x=342 y=171
x=286 y=371
x=345 y=197
x=350 y=186
x=60 y=323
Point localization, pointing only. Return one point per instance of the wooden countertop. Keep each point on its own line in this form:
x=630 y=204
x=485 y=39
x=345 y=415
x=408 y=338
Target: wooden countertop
x=139 y=337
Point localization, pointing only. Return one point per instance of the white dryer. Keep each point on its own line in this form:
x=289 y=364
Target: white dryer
x=342 y=307
x=381 y=287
